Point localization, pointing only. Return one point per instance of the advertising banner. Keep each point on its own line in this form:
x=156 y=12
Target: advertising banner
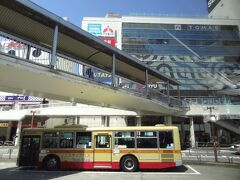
x=16 y=98
x=95 y=29
x=110 y=41
x=103 y=30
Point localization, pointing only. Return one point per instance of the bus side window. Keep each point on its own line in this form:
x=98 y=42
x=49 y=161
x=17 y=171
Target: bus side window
x=84 y=140
x=66 y=140
x=103 y=141
x=50 y=140
x=166 y=139
x=147 y=139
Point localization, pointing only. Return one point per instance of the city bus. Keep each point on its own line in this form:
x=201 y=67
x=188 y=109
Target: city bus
x=81 y=147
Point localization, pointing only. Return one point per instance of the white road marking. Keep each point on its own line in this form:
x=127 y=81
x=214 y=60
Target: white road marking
x=194 y=170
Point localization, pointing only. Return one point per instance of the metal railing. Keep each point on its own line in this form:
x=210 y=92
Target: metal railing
x=33 y=53
x=210 y=152
x=6 y=143
x=37 y=106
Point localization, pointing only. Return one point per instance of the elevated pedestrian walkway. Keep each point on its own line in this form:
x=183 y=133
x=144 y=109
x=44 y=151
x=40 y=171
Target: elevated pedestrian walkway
x=49 y=57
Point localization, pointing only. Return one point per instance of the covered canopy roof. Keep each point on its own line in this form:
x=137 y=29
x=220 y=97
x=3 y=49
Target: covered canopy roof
x=26 y=19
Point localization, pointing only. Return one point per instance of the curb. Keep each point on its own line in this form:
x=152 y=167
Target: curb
x=220 y=164
x=8 y=160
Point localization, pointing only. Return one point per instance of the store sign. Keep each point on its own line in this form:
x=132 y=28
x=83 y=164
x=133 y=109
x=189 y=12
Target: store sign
x=178 y=27
x=3 y=125
x=202 y=28
x=101 y=30
x=102 y=77
x=95 y=29
x=16 y=98
x=110 y=41
x=108 y=32
x=212 y=4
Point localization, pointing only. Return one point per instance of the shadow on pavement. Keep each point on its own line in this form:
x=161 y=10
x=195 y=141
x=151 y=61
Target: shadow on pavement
x=28 y=173
x=32 y=173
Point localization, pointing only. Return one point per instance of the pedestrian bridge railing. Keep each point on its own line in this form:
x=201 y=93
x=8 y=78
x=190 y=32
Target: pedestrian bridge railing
x=41 y=55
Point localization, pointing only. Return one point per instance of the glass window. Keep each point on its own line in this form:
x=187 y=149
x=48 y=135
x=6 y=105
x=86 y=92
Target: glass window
x=166 y=139
x=50 y=140
x=146 y=139
x=146 y=142
x=146 y=134
x=103 y=141
x=124 y=134
x=124 y=140
x=66 y=140
x=84 y=140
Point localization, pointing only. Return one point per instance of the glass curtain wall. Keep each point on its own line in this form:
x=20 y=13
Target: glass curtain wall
x=201 y=57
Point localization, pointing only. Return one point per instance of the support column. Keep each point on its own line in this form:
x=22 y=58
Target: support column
x=113 y=70
x=83 y=70
x=18 y=133
x=192 y=133
x=168 y=120
x=138 y=121
x=178 y=92
x=32 y=120
x=146 y=81
x=105 y=121
x=54 y=48
x=168 y=91
x=182 y=134
x=28 y=51
x=9 y=128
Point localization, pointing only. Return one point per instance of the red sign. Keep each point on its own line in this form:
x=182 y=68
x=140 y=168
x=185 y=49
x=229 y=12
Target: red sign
x=108 y=32
x=110 y=41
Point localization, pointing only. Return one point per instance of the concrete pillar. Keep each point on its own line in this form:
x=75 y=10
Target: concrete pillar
x=146 y=82
x=168 y=91
x=168 y=120
x=182 y=134
x=75 y=120
x=138 y=121
x=114 y=84
x=178 y=92
x=105 y=121
x=18 y=133
x=54 y=48
x=192 y=133
x=9 y=128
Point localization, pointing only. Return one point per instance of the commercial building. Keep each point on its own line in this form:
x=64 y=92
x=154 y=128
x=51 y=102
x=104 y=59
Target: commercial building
x=227 y=9
x=202 y=53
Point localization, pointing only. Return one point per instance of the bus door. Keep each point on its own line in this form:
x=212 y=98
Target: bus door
x=29 y=151
x=102 y=157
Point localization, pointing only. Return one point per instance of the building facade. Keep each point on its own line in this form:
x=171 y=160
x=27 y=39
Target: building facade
x=227 y=9
x=203 y=54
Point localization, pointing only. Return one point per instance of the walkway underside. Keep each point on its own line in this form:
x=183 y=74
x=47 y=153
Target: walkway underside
x=29 y=79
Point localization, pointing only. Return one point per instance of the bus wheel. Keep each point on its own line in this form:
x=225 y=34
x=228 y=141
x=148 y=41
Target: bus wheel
x=51 y=163
x=129 y=164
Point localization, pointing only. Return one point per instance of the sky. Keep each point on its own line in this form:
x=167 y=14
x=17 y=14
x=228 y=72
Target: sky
x=75 y=10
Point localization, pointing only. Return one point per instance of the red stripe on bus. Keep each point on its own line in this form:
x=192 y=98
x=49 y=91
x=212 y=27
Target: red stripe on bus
x=115 y=165
x=156 y=165
x=90 y=165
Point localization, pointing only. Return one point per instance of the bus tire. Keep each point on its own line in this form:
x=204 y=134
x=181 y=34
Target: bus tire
x=129 y=164
x=51 y=163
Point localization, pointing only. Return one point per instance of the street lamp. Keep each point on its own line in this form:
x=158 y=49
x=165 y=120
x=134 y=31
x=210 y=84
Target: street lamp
x=213 y=118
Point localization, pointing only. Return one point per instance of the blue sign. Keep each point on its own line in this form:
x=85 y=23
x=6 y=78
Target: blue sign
x=16 y=98
x=95 y=29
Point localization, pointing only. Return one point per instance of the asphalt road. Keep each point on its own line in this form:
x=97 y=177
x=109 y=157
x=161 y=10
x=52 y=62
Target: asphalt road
x=9 y=171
